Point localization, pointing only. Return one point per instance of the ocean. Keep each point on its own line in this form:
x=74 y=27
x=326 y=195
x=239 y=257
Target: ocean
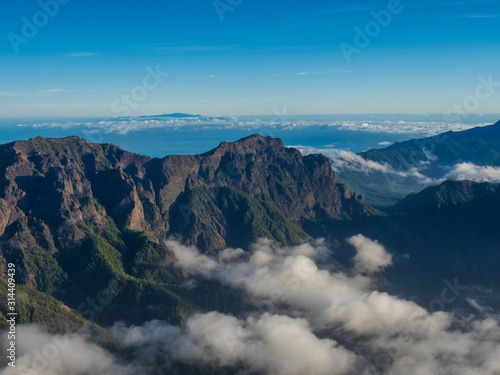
x=158 y=136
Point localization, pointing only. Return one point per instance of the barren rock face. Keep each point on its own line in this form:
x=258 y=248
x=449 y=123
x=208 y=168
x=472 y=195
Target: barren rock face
x=48 y=185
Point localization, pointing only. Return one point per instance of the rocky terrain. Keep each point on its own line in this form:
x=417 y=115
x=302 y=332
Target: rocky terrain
x=79 y=218
x=75 y=216
x=51 y=183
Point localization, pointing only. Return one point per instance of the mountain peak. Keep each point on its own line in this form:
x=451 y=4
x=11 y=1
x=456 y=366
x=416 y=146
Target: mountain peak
x=101 y=182
x=252 y=144
x=449 y=193
x=173 y=115
x=49 y=145
x=257 y=139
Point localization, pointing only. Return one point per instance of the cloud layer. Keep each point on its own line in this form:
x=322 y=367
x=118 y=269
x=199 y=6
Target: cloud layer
x=38 y=353
x=273 y=344
x=380 y=333
x=310 y=317
x=270 y=124
x=343 y=160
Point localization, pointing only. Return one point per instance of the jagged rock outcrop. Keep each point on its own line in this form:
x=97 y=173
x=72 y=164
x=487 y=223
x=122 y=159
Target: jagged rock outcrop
x=48 y=185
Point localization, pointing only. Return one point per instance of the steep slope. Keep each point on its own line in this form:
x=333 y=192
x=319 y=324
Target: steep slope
x=410 y=166
x=479 y=145
x=80 y=218
x=450 y=195
x=449 y=232
x=51 y=181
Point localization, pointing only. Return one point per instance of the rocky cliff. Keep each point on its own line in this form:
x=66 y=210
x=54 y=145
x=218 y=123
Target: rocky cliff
x=50 y=184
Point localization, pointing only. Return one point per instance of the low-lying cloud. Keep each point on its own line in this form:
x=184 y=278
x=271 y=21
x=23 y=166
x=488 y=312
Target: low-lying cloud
x=477 y=173
x=380 y=333
x=310 y=317
x=38 y=353
x=272 y=344
x=370 y=255
x=276 y=276
x=343 y=160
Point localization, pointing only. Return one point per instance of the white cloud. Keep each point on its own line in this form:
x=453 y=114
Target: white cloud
x=231 y=254
x=42 y=354
x=271 y=344
x=414 y=128
x=192 y=48
x=470 y=171
x=311 y=318
x=484 y=16
x=290 y=276
x=343 y=159
x=124 y=126
x=191 y=259
x=49 y=91
x=82 y=54
x=11 y=93
x=381 y=334
x=384 y=144
x=34 y=93
x=370 y=255
x=347 y=160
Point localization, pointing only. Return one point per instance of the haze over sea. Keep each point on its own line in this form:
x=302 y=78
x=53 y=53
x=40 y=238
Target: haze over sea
x=193 y=134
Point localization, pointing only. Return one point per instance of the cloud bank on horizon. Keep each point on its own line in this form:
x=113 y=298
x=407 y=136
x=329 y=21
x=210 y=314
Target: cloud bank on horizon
x=125 y=126
x=309 y=318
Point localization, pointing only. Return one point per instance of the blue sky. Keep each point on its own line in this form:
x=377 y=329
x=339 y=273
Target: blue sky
x=263 y=57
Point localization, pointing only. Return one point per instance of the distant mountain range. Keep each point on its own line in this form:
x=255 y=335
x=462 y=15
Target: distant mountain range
x=186 y=116
x=387 y=175
x=479 y=145
x=175 y=115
